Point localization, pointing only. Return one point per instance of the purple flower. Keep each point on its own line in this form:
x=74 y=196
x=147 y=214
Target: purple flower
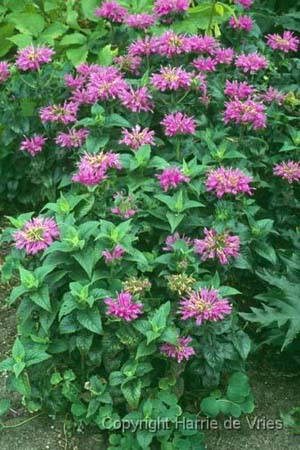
x=228 y=181
x=171 y=177
x=123 y=206
x=286 y=43
x=205 y=64
x=217 y=245
x=129 y=63
x=252 y=62
x=238 y=89
x=74 y=82
x=289 y=171
x=178 y=123
x=172 y=78
x=140 y=21
x=164 y=7
x=65 y=113
x=31 y=58
x=4 y=71
x=137 y=100
x=180 y=351
x=111 y=10
x=36 y=235
x=171 y=44
x=203 y=305
x=123 y=307
x=33 y=145
x=272 y=95
x=245 y=3
x=144 y=47
x=116 y=254
x=105 y=83
x=202 y=44
x=247 y=112
x=172 y=239
x=241 y=23
x=74 y=138
x=224 y=55
x=137 y=137
x=92 y=168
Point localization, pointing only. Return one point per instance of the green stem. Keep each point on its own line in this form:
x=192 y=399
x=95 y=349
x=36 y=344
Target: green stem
x=178 y=148
x=21 y=423
x=211 y=16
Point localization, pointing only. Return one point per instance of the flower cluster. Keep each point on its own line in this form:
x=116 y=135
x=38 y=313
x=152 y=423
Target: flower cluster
x=92 y=168
x=74 y=138
x=137 y=137
x=178 y=123
x=246 y=112
x=217 y=245
x=179 y=351
x=32 y=58
x=286 y=43
x=172 y=78
x=252 y=62
x=171 y=177
x=123 y=307
x=123 y=206
x=290 y=171
x=115 y=254
x=36 y=235
x=33 y=145
x=241 y=23
x=4 y=71
x=228 y=181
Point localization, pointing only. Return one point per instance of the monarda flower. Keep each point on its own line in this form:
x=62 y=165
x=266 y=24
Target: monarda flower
x=136 y=285
x=202 y=44
x=178 y=123
x=224 y=55
x=92 y=168
x=137 y=100
x=129 y=63
x=74 y=82
x=123 y=206
x=36 y=235
x=286 y=43
x=137 y=137
x=272 y=95
x=205 y=64
x=123 y=307
x=65 y=113
x=241 y=23
x=74 y=138
x=140 y=21
x=115 y=254
x=171 y=177
x=32 y=58
x=289 y=171
x=105 y=84
x=179 y=351
x=204 y=305
x=238 y=89
x=245 y=3
x=247 y=112
x=180 y=283
x=112 y=11
x=173 y=238
x=144 y=47
x=4 y=71
x=252 y=62
x=171 y=78
x=228 y=181
x=33 y=145
x=164 y=7
x=217 y=245
x=171 y=44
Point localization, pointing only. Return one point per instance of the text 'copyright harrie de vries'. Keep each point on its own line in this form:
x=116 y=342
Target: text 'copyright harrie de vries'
x=201 y=424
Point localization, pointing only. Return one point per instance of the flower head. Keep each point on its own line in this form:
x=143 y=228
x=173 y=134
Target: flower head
x=241 y=23
x=171 y=78
x=286 y=43
x=92 y=168
x=164 y=7
x=144 y=47
x=179 y=351
x=137 y=137
x=205 y=64
x=33 y=145
x=171 y=44
x=204 y=305
x=65 y=113
x=224 y=55
x=74 y=138
x=115 y=254
x=140 y=21
x=228 y=181
x=111 y=10
x=246 y=112
x=289 y=171
x=272 y=95
x=31 y=58
x=137 y=100
x=245 y=3
x=203 y=44
x=123 y=206
x=129 y=63
x=105 y=83
x=238 y=89
x=172 y=239
x=252 y=62
x=123 y=307
x=36 y=235
x=4 y=71
x=178 y=123
x=217 y=245
x=171 y=177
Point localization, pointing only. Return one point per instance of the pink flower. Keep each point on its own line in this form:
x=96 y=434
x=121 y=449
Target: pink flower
x=290 y=171
x=173 y=238
x=111 y=10
x=171 y=177
x=140 y=21
x=241 y=23
x=178 y=123
x=272 y=95
x=123 y=307
x=116 y=254
x=164 y=7
x=74 y=82
x=203 y=44
x=171 y=44
x=205 y=64
x=172 y=78
x=65 y=113
x=228 y=181
x=224 y=55
x=123 y=206
x=107 y=83
x=4 y=71
x=180 y=351
x=245 y=3
x=287 y=42
x=31 y=58
x=238 y=89
x=36 y=235
x=247 y=112
x=137 y=137
x=74 y=138
x=137 y=100
x=129 y=63
x=251 y=62
x=144 y=47
x=33 y=145
x=92 y=168
x=220 y=245
x=203 y=305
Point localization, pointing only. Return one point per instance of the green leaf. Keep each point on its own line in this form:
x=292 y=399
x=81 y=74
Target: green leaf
x=28 y=23
x=132 y=391
x=88 y=9
x=90 y=319
x=77 y=55
x=144 y=438
x=174 y=220
x=159 y=319
x=4 y=406
x=145 y=350
x=41 y=298
x=18 y=351
x=73 y=39
x=106 y=55
x=266 y=251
